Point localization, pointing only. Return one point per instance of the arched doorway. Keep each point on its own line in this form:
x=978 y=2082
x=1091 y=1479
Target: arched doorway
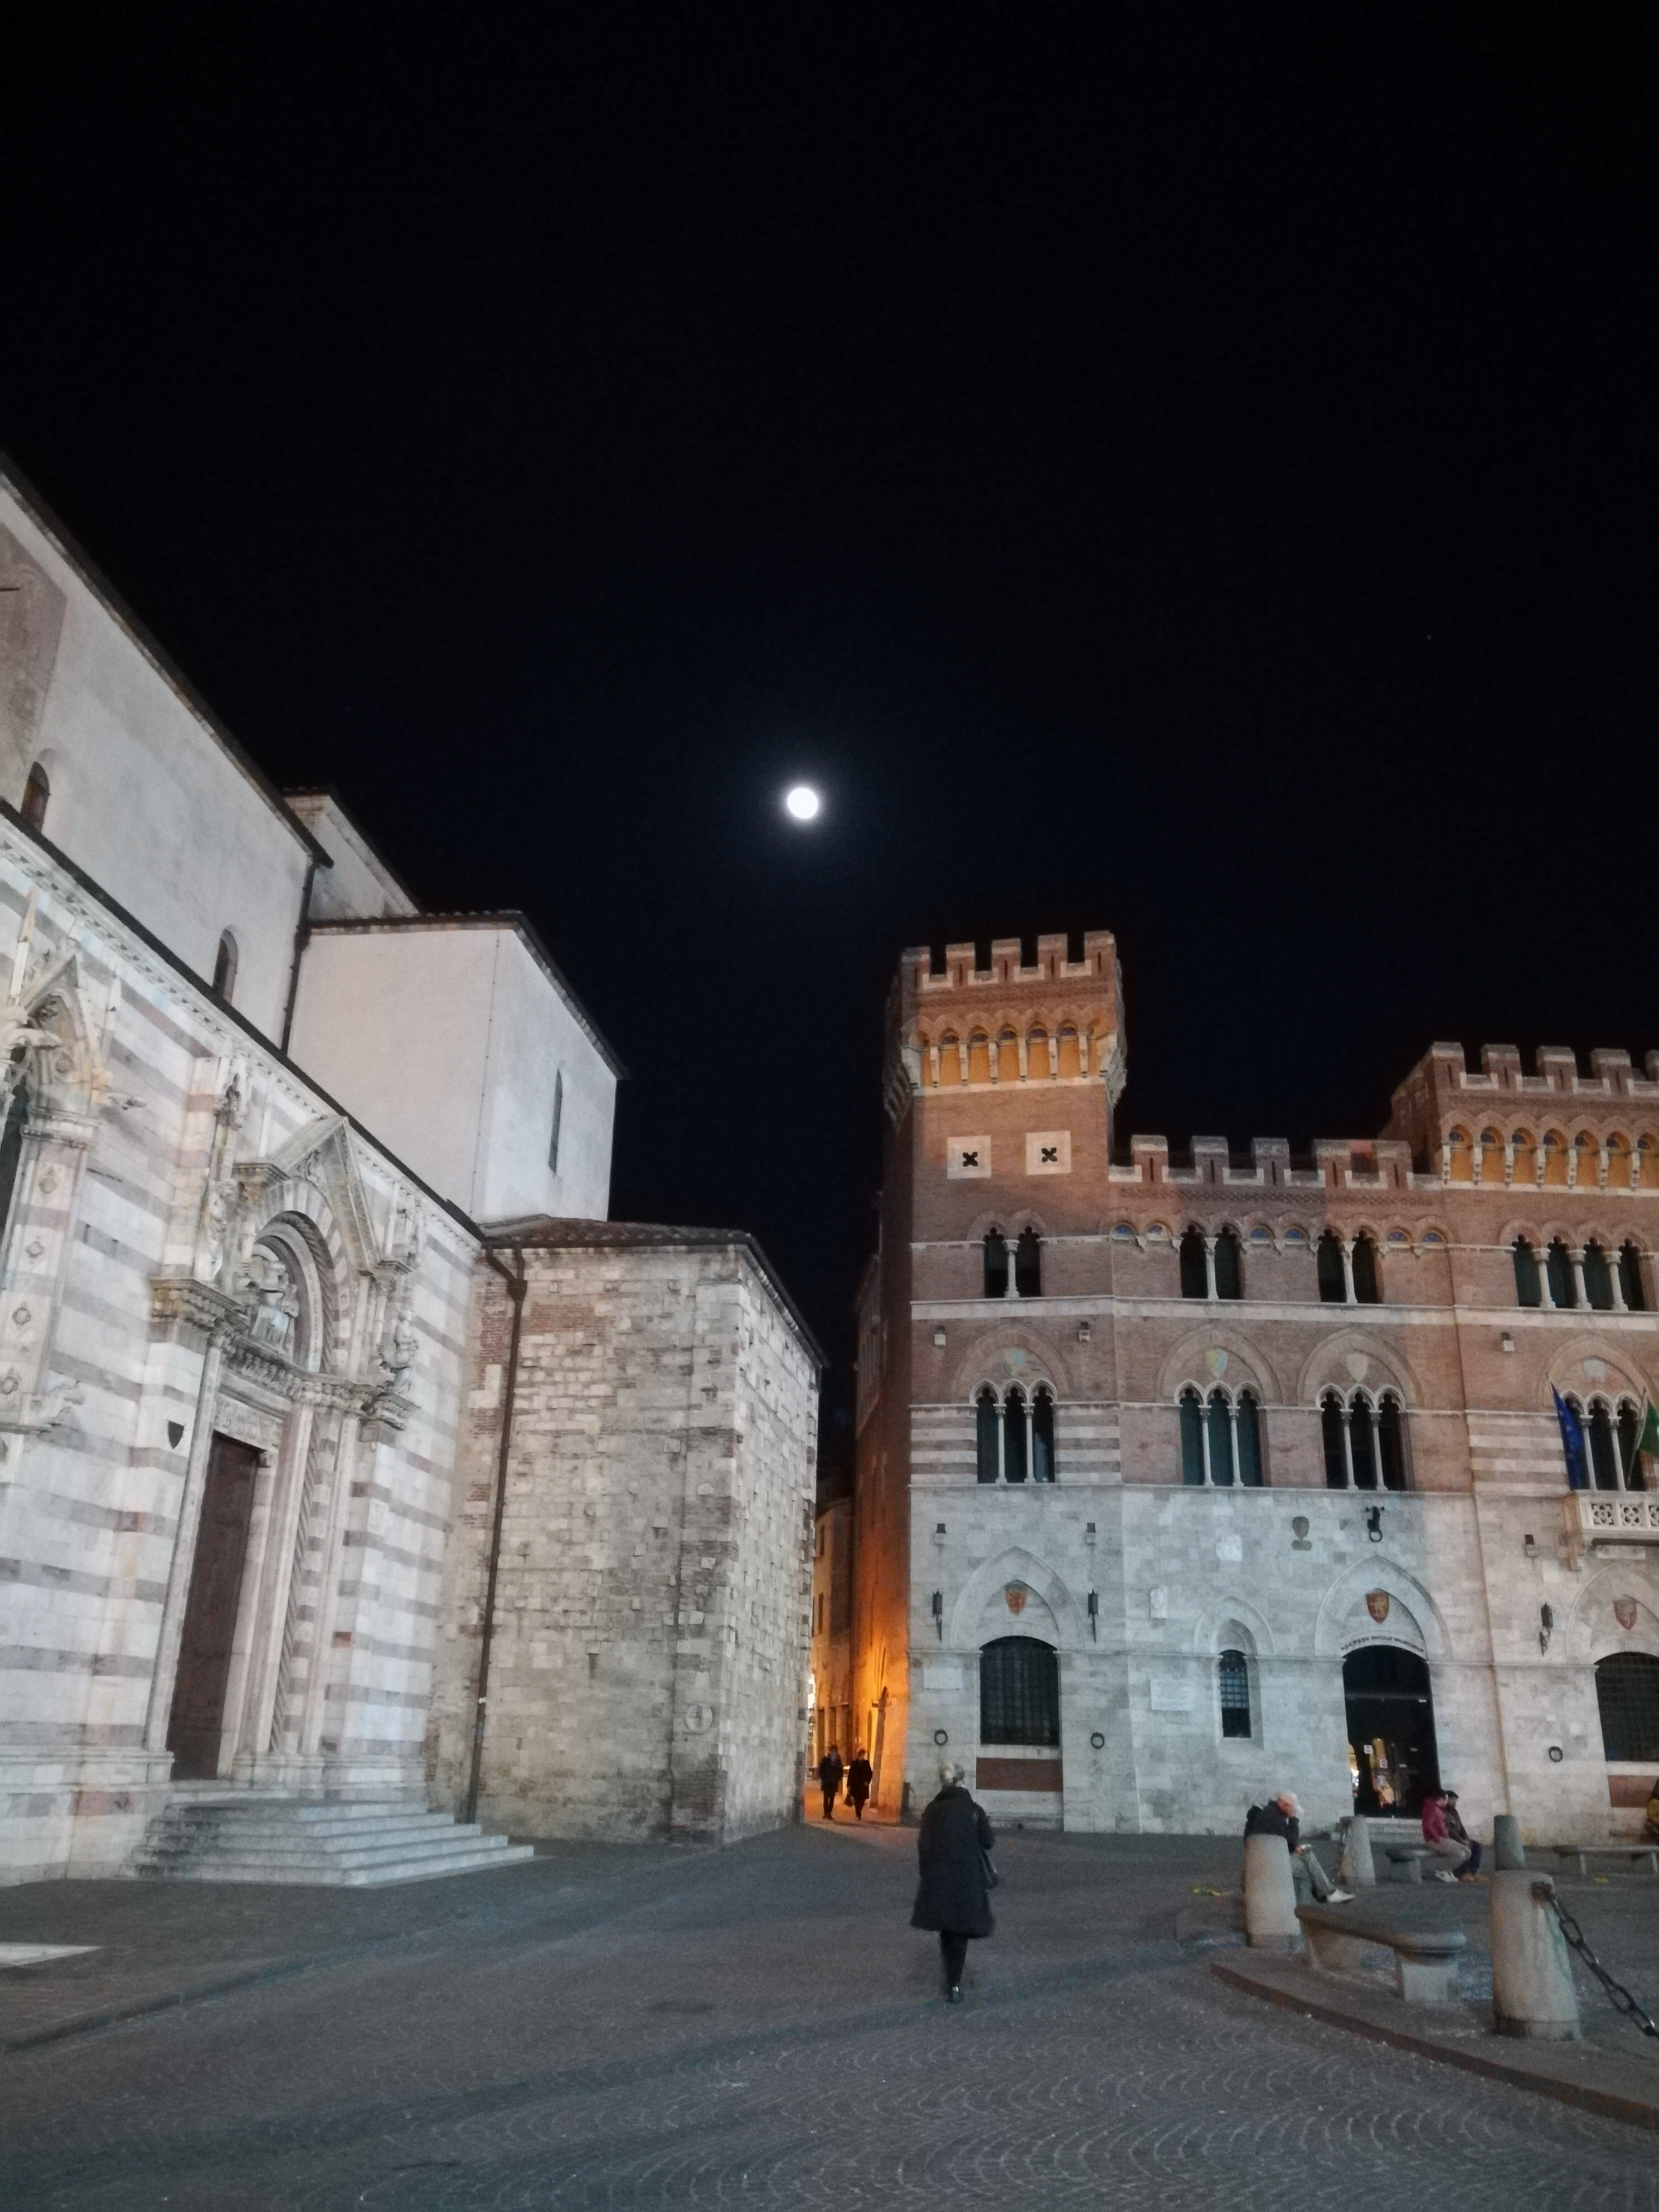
x=1391 y=1743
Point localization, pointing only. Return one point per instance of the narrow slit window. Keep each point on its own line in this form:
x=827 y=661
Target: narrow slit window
x=224 y=969
x=36 y=794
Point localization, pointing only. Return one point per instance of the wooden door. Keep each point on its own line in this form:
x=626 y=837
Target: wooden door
x=197 y=1719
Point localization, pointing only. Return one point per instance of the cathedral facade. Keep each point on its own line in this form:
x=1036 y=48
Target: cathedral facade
x=1182 y=1478
x=261 y=1121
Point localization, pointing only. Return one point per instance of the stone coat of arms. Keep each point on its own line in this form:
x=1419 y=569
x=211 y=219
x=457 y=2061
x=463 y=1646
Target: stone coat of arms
x=1376 y=1604
x=1014 y=1595
x=1624 y=1612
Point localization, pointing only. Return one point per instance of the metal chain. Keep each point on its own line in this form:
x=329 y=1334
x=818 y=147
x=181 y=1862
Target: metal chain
x=1618 y=1995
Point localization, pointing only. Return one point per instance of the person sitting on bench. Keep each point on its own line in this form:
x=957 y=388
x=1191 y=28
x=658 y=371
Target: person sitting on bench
x=1453 y=1855
x=1282 y=1816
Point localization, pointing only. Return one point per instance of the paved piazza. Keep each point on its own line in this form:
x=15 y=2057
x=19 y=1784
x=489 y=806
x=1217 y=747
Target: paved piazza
x=756 y=2026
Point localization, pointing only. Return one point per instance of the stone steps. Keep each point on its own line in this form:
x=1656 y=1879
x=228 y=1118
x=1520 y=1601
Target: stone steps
x=272 y=1839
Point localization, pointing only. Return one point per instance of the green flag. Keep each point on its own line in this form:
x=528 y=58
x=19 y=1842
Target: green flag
x=1648 y=1439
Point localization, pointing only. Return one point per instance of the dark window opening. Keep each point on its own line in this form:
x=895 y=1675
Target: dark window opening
x=1604 y=1465
x=1336 y=1459
x=1220 y=1423
x=986 y=1425
x=1526 y=1273
x=1233 y=1679
x=1019 y=1693
x=1557 y=1265
x=1192 y=1438
x=36 y=792
x=1598 y=1278
x=996 y=1264
x=1391 y=1444
x=1630 y=1278
x=1362 y=1443
x=1028 y=1265
x=1195 y=1275
x=1043 y=1438
x=1229 y=1269
x=1333 y=1282
x=1249 y=1442
x=1627 y=1690
x=1367 y=1289
x=1013 y=1437
x=224 y=968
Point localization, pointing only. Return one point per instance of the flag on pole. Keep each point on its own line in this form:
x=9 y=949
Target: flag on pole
x=1572 y=1442
x=1648 y=1437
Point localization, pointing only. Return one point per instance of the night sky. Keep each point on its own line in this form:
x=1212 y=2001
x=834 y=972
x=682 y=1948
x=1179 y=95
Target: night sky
x=1190 y=472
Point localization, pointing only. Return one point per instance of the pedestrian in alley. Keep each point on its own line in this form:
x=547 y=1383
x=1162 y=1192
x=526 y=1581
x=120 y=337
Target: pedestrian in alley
x=829 y=1771
x=1454 y=1853
x=860 y=1775
x=1282 y=1816
x=954 y=1897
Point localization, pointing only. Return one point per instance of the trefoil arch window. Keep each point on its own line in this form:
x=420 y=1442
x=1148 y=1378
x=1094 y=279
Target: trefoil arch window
x=1014 y=1435
x=1212 y=1267
x=1220 y=1439
x=1233 y=1688
x=1365 y=1441
x=1612 y=1442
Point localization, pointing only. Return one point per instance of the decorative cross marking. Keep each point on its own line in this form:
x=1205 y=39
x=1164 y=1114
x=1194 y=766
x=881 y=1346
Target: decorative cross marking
x=970 y=1159
x=1050 y=1155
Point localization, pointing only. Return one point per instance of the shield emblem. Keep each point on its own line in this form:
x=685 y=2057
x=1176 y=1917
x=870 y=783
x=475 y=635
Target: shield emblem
x=1015 y=1598
x=1624 y=1612
x=1376 y=1604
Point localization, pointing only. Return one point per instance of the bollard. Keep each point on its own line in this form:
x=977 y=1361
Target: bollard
x=1270 y=1921
x=1532 y=1990
x=1507 y=1849
x=1355 y=1870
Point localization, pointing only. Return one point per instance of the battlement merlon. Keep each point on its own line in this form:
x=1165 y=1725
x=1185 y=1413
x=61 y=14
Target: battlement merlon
x=1441 y=1097
x=1055 y=1019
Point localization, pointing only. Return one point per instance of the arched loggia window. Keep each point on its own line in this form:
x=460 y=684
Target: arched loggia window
x=1630 y=1278
x=1043 y=1436
x=1367 y=1283
x=1598 y=1278
x=1220 y=1439
x=1028 y=1264
x=1526 y=1273
x=987 y=1432
x=996 y=1264
x=1229 y=1267
x=1014 y=1436
x=1558 y=1269
x=1365 y=1441
x=1332 y=1280
x=1194 y=1269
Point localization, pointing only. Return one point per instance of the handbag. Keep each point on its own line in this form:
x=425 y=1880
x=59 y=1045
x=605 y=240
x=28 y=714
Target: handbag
x=993 y=1879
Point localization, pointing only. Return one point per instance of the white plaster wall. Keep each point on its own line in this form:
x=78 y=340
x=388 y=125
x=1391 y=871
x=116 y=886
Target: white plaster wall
x=153 y=806
x=445 y=1040
x=359 y=885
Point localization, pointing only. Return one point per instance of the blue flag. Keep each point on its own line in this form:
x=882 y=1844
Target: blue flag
x=1572 y=1442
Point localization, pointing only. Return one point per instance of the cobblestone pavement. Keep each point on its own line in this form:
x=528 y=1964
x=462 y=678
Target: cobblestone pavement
x=757 y=2027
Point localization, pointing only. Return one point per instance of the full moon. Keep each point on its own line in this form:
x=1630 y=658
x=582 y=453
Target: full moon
x=803 y=802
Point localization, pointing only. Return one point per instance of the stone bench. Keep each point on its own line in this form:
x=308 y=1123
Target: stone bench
x=1425 y=1962
x=1582 y=1853
x=1405 y=1861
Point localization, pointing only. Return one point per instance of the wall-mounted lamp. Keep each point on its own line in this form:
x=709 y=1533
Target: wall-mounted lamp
x=1088 y=1532
x=939 y=1338
x=938 y=1613
x=1374 y=1523
x=1083 y=1331
x=1530 y=1544
x=1506 y=1342
x=1545 y=1626
x=938 y=1532
x=1093 y=1616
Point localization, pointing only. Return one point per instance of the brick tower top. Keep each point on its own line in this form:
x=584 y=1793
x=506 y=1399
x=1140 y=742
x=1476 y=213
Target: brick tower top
x=1007 y=1026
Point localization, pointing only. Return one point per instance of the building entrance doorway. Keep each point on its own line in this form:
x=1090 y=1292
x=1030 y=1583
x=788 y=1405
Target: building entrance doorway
x=198 y=1720
x=1391 y=1746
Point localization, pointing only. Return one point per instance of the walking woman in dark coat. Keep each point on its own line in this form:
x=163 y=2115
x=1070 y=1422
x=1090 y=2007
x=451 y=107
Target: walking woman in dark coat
x=954 y=1897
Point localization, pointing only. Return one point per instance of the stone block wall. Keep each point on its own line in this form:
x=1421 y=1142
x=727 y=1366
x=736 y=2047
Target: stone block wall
x=647 y=1672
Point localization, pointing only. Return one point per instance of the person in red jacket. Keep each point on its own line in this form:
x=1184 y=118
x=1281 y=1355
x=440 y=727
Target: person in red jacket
x=1445 y=1846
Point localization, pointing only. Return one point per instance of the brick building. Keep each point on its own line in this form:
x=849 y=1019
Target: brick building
x=832 y=1716
x=1182 y=1478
